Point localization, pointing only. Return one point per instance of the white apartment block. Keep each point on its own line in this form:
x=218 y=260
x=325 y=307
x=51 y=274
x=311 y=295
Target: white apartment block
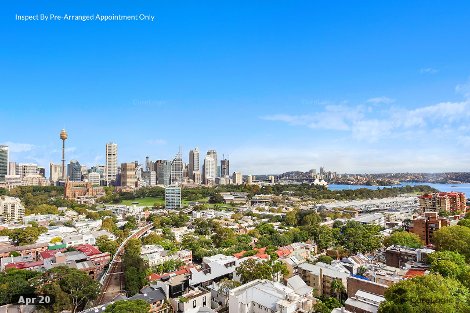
x=210 y=169
x=196 y=300
x=94 y=178
x=26 y=169
x=111 y=169
x=265 y=296
x=11 y=209
x=55 y=172
x=172 y=197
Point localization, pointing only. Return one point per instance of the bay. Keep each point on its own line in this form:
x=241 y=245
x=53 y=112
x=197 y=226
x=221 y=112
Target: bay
x=465 y=188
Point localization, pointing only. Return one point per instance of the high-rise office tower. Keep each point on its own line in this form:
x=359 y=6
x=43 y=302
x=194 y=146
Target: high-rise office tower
x=224 y=168
x=111 y=163
x=177 y=170
x=128 y=175
x=209 y=170
x=147 y=163
x=4 y=160
x=193 y=165
x=213 y=154
x=74 y=171
x=163 y=170
x=55 y=172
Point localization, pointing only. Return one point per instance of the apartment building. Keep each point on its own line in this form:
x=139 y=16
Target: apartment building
x=11 y=209
x=424 y=226
x=321 y=275
x=452 y=202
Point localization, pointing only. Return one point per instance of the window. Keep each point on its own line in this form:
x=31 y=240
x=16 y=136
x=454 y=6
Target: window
x=204 y=301
x=194 y=303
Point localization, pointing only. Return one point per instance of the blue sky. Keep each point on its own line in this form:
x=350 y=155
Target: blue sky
x=355 y=86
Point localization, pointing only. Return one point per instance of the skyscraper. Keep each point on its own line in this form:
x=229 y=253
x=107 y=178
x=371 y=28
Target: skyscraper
x=193 y=165
x=111 y=163
x=209 y=170
x=163 y=169
x=213 y=154
x=55 y=172
x=74 y=171
x=4 y=160
x=224 y=168
x=128 y=175
x=177 y=170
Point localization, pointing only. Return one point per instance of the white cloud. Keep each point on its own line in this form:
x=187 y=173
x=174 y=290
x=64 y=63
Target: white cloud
x=19 y=147
x=428 y=70
x=381 y=100
x=334 y=117
x=268 y=160
x=371 y=124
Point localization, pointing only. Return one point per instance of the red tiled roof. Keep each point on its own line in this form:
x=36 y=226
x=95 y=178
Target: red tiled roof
x=283 y=252
x=88 y=249
x=23 y=265
x=181 y=271
x=260 y=253
x=49 y=253
x=414 y=273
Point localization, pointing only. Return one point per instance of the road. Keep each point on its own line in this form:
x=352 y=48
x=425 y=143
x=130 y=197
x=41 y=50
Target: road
x=113 y=280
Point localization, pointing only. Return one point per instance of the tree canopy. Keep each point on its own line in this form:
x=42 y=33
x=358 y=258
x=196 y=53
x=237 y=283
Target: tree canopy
x=453 y=238
x=404 y=239
x=128 y=306
x=430 y=293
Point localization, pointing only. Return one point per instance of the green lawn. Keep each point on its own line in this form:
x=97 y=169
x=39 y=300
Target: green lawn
x=145 y=201
x=149 y=201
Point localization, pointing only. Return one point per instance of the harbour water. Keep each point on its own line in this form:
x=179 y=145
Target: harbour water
x=441 y=187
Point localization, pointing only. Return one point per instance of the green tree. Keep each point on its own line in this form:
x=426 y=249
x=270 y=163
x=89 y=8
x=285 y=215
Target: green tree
x=223 y=237
x=152 y=239
x=325 y=259
x=338 y=289
x=27 y=235
x=291 y=218
x=359 y=238
x=128 y=306
x=464 y=222
x=135 y=268
x=453 y=238
x=64 y=282
x=430 y=293
x=403 y=238
x=320 y=307
x=253 y=269
x=15 y=282
x=42 y=209
x=109 y=224
x=216 y=198
x=107 y=245
x=56 y=240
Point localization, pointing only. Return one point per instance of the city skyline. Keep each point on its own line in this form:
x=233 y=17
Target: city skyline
x=375 y=91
